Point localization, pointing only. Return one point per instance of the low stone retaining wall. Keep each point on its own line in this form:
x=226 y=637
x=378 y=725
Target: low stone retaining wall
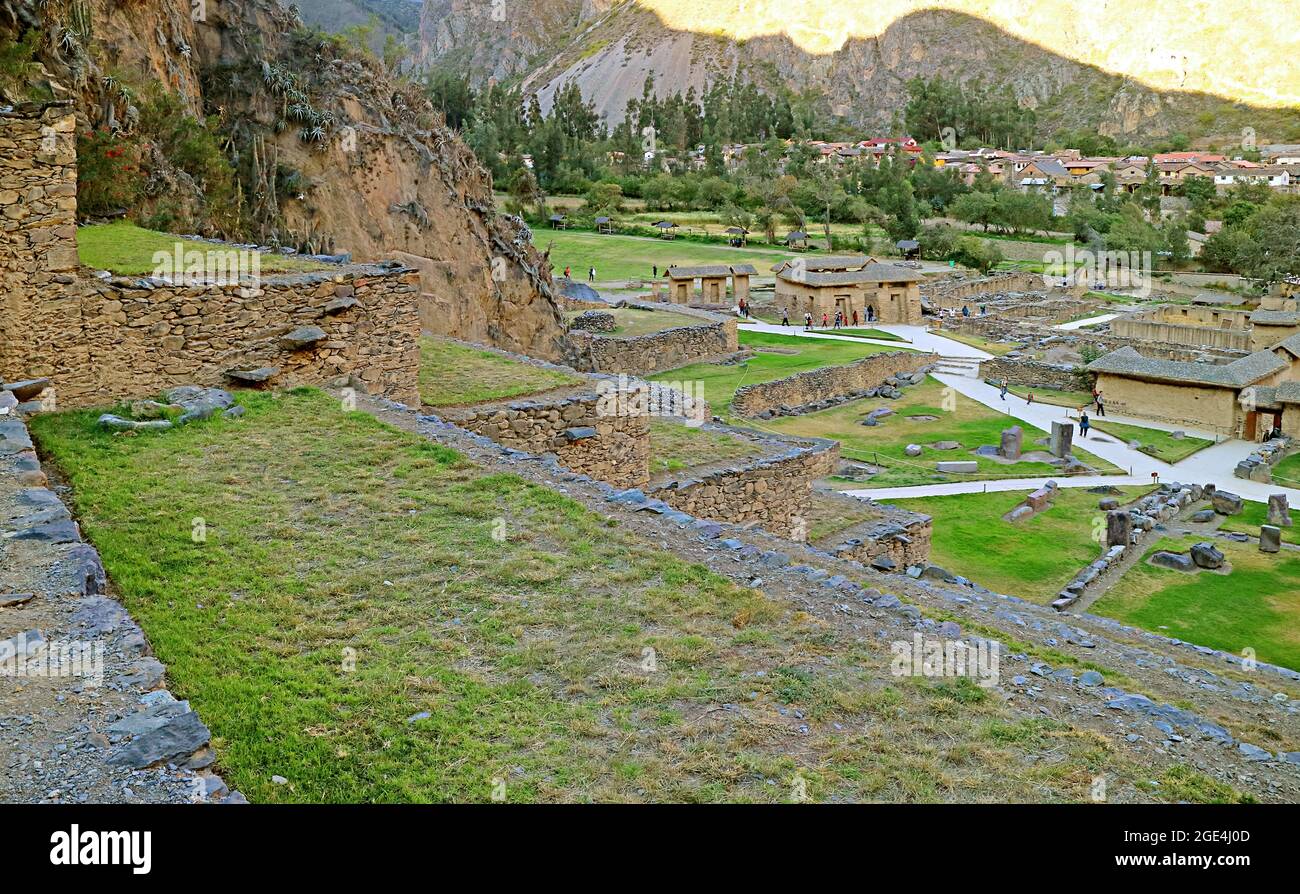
x=944 y=292
x=1155 y=332
x=103 y=340
x=85 y=670
x=829 y=383
x=1259 y=465
x=1033 y=373
x=712 y=338
x=897 y=540
x=1008 y=330
x=584 y=437
x=775 y=491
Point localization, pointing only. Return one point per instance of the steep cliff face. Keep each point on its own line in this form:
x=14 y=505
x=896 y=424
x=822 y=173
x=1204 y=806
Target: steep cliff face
x=1123 y=67
x=334 y=154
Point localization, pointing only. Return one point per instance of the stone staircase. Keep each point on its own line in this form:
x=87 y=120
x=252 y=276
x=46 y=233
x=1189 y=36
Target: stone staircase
x=968 y=367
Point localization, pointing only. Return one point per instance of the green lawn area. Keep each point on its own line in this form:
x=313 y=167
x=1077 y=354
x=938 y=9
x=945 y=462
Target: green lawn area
x=1288 y=470
x=1160 y=444
x=1257 y=606
x=1253 y=515
x=632 y=321
x=1054 y=396
x=632 y=257
x=967 y=422
x=124 y=248
x=1032 y=559
x=995 y=348
x=674 y=447
x=453 y=374
x=831 y=514
x=879 y=334
x=351 y=583
x=721 y=380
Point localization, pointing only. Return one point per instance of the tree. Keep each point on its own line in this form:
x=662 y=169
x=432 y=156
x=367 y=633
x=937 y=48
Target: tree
x=975 y=208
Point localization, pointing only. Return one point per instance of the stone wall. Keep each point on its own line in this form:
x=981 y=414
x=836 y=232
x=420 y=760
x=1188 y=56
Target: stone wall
x=775 y=491
x=944 y=292
x=899 y=535
x=1197 y=327
x=611 y=447
x=1031 y=373
x=712 y=338
x=828 y=382
x=1006 y=330
x=101 y=340
x=38 y=224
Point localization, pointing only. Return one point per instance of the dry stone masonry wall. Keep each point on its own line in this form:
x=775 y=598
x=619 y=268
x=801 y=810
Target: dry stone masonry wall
x=829 y=383
x=584 y=437
x=712 y=338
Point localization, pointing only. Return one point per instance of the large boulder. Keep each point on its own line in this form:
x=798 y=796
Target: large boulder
x=1206 y=555
x=1012 y=442
x=1279 y=513
x=1270 y=539
x=1226 y=503
x=1176 y=561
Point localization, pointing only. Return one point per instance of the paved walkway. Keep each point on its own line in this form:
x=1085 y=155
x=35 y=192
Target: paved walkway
x=1213 y=465
x=1090 y=321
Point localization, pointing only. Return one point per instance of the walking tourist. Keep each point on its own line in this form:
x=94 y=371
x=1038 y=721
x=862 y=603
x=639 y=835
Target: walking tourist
x=785 y=317
x=807 y=322
x=1084 y=422
x=1002 y=392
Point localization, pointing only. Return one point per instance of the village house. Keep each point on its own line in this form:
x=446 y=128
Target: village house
x=1224 y=399
x=1228 y=176
x=885 y=293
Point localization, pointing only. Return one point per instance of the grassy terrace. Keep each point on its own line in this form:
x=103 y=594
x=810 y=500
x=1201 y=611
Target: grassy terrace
x=996 y=348
x=920 y=418
x=1032 y=559
x=1154 y=442
x=633 y=257
x=795 y=355
x=453 y=374
x=675 y=447
x=1054 y=396
x=350 y=584
x=1253 y=515
x=124 y=248
x=1288 y=471
x=632 y=321
x=1256 y=606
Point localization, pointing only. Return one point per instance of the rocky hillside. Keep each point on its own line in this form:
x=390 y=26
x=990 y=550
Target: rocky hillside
x=333 y=154
x=1157 y=74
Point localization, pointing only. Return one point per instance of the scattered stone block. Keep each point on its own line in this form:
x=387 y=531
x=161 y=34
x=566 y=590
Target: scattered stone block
x=1119 y=528
x=27 y=389
x=110 y=422
x=1279 y=513
x=1012 y=442
x=1040 y=499
x=253 y=376
x=1270 y=539
x=912 y=450
x=1226 y=503
x=1062 y=441
x=966 y=467
x=1108 y=504
x=1176 y=561
x=1206 y=555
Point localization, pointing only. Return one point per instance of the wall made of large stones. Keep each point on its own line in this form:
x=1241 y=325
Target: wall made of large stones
x=1189 y=335
x=944 y=292
x=612 y=447
x=1031 y=373
x=101 y=340
x=1007 y=330
x=902 y=536
x=645 y=354
x=775 y=492
x=827 y=382
x=38 y=216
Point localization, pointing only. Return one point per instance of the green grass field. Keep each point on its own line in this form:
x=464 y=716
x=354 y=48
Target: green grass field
x=122 y=247
x=1288 y=470
x=995 y=348
x=352 y=624
x=1160 y=444
x=1054 y=396
x=1032 y=559
x=632 y=257
x=453 y=374
x=967 y=422
x=720 y=381
x=1256 y=606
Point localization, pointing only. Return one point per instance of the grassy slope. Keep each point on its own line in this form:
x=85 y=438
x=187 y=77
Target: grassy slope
x=631 y=257
x=970 y=423
x=1256 y=606
x=1288 y=470
x=643 y=322
x=452 y=374
x=1160 y=444
x=330 y=531
x=126 y=249
x=1032 y=559
x=721 y=381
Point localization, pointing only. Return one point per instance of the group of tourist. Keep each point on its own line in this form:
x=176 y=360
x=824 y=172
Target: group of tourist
x=591 y=274
x=839 y=322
